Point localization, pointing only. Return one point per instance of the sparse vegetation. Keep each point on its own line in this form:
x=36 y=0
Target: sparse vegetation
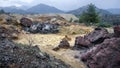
x=103 y=24
x=75 y=29
x=71 y=20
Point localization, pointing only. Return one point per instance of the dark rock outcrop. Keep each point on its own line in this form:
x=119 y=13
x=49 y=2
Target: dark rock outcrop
x=44 y=28
x=26 y=22
x=95 y=37
x=23 y=56
x=104 y=55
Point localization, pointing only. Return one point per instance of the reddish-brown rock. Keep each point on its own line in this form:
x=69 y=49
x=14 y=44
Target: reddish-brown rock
x=95 y=37
x=117 y=31
x=81 y=41
x=25 y=22
x=104 y=55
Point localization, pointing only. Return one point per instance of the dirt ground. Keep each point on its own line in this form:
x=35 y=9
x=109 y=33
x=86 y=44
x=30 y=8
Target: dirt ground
x=47 y=42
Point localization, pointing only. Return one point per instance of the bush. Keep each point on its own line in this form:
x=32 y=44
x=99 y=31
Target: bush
x=103 y=25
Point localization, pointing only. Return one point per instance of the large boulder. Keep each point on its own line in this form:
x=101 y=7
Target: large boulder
x=26 y=22
x=81 y=42
x=95 y=37
x=104 y=55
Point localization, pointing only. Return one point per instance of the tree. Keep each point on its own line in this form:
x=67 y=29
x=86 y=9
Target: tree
x=71 y=20
x=2 y=11
x=90 y=16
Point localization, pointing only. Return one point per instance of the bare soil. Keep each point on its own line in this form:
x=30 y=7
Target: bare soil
x=47 y=42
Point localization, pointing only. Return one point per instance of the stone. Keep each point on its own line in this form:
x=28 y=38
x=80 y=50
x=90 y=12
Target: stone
x=26 y=22
x=104 y=55
x=64 y=44
x=81 y=42
x=95 y=37
x=44 y=28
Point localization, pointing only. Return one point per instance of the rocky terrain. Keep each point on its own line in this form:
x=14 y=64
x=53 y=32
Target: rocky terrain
x=47 y=41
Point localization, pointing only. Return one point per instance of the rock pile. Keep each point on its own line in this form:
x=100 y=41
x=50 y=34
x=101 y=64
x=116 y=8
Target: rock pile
x=37 y=27
x=9 y=32
x=22 y=56
x=106 y=53
x=44 y=28
x=95 y=37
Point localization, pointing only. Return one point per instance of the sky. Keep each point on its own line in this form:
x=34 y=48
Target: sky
x=65 y=5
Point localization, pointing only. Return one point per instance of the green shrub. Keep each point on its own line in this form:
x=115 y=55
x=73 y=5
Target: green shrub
x=103 y=25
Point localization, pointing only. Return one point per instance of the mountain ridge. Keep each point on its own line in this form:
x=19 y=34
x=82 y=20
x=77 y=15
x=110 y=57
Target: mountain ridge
x=44 y=9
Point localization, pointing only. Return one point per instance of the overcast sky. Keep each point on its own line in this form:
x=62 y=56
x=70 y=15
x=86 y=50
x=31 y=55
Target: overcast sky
x=62 y=4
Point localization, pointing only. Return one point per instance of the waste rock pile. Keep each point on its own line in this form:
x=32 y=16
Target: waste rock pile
x=95 y=37
x=106 y=53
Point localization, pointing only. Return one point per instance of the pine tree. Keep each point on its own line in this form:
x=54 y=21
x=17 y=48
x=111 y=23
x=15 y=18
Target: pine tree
x=90 y=15
x=2 y=11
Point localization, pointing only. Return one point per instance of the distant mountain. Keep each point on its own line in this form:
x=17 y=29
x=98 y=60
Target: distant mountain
x=13 y=9
x=42 y=8
x=80 y=10
x=114 y=11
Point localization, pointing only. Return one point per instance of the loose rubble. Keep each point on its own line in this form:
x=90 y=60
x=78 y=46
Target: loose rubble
x=23 y=56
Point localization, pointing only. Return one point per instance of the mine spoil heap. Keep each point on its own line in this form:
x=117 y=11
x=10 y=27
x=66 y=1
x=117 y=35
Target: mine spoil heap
x=13 y=55
x=103 y=48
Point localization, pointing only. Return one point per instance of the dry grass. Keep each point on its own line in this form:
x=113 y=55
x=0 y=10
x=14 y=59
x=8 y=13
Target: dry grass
x=75 y=29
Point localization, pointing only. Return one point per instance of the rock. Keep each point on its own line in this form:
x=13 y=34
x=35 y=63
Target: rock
x=56 y=49
x=14 y=55
x=26 y=22
x=8 y=32
x=104 y=55
x=64 y=44
x=95 y=37
x=44 y=28
x=81 y=42
x=117 y=31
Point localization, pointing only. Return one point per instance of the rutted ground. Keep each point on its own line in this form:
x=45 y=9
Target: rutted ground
x=47 y=42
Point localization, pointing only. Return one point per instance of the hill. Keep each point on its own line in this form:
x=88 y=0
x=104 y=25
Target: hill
x=80 y=10
x=114 y=11
x=13 y=9
x=42 y=9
